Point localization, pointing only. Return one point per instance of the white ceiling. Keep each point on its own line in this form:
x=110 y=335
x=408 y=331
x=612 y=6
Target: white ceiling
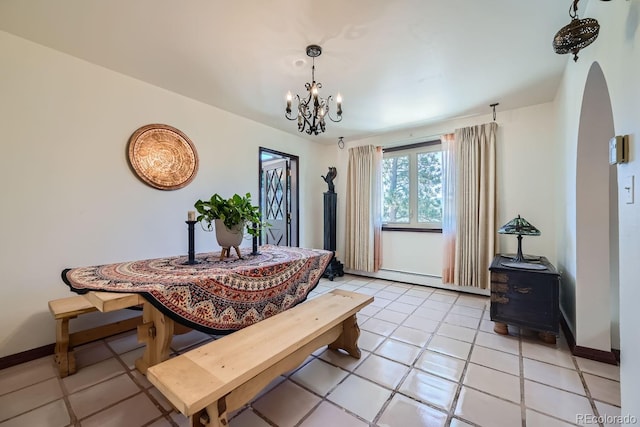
x=397 y=64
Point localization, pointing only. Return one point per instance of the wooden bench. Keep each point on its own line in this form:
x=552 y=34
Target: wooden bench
x=207 y=383
x=65 y=309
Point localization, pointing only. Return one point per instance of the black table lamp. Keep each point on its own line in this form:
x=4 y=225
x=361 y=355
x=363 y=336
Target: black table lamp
x=520 y=227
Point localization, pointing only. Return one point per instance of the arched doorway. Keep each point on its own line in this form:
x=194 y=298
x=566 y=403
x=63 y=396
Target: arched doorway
x=596 y=299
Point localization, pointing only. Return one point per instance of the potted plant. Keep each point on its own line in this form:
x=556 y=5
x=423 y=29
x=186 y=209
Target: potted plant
x=230 y=217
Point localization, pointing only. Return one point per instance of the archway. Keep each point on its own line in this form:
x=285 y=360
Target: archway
x=596 y=289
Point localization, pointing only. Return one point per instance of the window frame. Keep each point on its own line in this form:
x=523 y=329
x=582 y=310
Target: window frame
x=413 y=150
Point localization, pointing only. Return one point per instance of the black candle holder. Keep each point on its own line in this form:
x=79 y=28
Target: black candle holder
x=254 y=246
x=192 y=252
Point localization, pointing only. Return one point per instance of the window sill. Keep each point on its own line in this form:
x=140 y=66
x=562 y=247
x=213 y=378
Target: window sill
x=412 y=229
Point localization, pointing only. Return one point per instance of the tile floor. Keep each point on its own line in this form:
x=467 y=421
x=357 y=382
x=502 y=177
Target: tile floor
x=430 y=358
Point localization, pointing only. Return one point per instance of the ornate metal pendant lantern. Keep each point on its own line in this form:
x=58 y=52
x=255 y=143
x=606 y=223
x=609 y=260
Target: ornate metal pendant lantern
x=578 y=34
x=313 y=110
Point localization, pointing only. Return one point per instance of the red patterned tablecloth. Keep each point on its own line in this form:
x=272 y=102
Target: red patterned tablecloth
x=213 y=296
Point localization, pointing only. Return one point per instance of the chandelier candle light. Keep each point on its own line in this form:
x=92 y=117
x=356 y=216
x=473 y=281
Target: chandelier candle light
x=313 y=110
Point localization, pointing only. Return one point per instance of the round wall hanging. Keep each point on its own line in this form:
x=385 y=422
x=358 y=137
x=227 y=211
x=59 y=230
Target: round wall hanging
x=163 y=157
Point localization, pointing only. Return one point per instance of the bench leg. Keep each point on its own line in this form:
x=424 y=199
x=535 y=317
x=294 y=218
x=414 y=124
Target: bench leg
x=213 y=415
x=64 y=357
x=156 y=331
x=348 y=339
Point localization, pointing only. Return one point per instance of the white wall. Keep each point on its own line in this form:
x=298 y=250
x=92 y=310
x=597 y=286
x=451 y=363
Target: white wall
x=69 y=198
x=525 y=180
x=616 y=51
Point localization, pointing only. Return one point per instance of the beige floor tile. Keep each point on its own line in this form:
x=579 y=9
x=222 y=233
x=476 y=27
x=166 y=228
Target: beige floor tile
x=421 y=323
x=603 y=389
x=369 y=341
x=136 y=411
x=384 y=293
x=248 y=418
x=368 y=311
x=436 y=305
x=26 y=374
x=445 y=345
x=398 y=288
x=556 y=355
x=486 y=326
x=457 y=332
x=410 y=299
x=286 y=404
x=411 y=336
x=391 y=316
x=447 y=298
x=403 y=411
x=536 y=419
x=380 y=302
x=93 y=374
x=28 y=398
x=91 y=353
x=319 y=376
x=557 y=376
x=598 y=368
x=430 y=313
x=455 y=422
x=342 y=359
x=98 y=397
x=498 y=342
x=382 y=371
x=500 y=360
x=182 y=342
x=558 y=403
x=429 y=389
x=129 y=358
x=53 y=414
x=460 y=320
x=441 y=365
x=487 y=411
x=360 y=396
x=419 y=291
x=378 y=326
x=124 y=342
x=398 y=351
x=348 y=287
x=478 y=302
x=327 y=414
x=401 y=307
x=493 y=382
x=610 y=414
x=466 y=311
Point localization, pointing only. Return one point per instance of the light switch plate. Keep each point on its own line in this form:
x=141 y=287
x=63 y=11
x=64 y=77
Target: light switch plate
x=627 y=189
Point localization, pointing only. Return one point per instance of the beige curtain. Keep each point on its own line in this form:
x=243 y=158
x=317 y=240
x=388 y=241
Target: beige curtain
x=449 y=210
x=475 y=244
x=364 y=217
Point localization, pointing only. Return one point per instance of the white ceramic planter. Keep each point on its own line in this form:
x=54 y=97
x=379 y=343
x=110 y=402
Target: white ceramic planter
x=228 y=238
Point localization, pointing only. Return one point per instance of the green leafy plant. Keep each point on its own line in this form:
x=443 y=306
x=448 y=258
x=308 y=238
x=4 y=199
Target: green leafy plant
x=233 y=211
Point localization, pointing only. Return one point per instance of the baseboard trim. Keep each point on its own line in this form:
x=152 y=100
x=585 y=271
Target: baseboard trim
x=609 y=357
x=26 y=356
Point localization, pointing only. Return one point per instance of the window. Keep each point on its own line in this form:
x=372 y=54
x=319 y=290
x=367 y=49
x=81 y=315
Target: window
x=412 y=187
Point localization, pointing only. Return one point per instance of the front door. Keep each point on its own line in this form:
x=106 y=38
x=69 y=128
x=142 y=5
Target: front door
x=276 y=210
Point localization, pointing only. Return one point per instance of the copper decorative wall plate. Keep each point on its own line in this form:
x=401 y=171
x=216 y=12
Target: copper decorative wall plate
x=163 y=157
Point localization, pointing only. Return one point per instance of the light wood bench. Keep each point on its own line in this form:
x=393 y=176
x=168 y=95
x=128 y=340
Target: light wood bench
x=65 y=309
x=207 y=383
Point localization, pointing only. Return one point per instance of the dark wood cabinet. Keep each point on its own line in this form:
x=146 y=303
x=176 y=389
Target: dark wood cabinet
x=528 y=298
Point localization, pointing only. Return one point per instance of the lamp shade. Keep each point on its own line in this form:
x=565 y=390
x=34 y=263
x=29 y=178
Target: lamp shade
x=519 y=226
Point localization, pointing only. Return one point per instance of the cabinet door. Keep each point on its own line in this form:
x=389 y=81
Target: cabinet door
x=526 y=299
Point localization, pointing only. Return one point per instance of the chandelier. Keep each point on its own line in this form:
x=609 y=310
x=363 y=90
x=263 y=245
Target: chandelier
x=313 y=109
x=578 y=34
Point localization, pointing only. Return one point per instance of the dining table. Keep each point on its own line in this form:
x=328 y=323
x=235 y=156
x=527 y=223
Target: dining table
x=205 y=293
